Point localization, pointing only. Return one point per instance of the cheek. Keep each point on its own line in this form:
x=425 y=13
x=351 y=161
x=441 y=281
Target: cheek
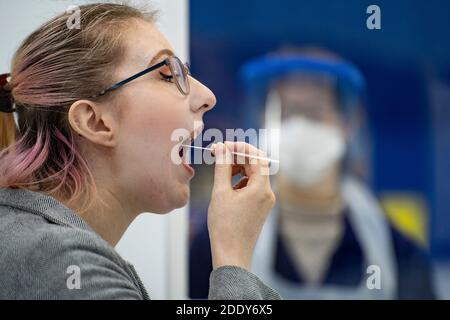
x=151 y=135
x=154 y=116
x=145 y=147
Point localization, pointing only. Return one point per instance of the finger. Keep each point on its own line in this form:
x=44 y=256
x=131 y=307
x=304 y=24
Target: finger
x=245 y=151
x=254 y=168
x=223 y=167
x=235 y=168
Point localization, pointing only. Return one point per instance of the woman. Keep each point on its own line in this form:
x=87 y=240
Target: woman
x=91 y=151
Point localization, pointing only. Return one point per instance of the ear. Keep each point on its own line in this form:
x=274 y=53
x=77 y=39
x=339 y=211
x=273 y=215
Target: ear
x=92 y=122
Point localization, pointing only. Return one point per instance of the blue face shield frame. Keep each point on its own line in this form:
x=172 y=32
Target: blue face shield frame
x=260 y=72
x=257 y=75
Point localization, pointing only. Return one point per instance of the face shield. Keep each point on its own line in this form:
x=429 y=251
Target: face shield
x=312 y=109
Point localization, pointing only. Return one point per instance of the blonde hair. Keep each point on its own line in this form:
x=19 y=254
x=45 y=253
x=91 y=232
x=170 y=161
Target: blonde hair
x=54 y=67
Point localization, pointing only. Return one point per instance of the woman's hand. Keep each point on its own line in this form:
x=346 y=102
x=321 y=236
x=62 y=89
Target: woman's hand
x=237 y=213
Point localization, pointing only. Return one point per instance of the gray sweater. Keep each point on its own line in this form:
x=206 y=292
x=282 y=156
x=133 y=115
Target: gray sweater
x=48 y=252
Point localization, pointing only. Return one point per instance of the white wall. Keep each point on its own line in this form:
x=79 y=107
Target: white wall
x=156 y=245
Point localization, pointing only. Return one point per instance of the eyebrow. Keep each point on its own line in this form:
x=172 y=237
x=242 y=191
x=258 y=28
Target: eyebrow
x=163 y=52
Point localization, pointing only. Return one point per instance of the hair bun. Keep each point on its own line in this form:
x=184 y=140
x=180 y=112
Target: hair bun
x=6 y=100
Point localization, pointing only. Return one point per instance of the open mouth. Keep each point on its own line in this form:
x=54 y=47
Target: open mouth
x=184 y=149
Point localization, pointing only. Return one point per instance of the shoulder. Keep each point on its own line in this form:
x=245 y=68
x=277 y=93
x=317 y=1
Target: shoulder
x=44 y=260
x=414 y=268
x=406 y=248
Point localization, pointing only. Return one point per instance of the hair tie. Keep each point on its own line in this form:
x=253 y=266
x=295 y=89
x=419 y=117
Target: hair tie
x=6 y=99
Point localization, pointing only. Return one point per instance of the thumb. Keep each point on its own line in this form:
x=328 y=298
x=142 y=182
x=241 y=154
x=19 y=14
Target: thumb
x=223 y=168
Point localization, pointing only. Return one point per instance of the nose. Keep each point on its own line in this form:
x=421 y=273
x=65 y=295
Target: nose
x=202 y=99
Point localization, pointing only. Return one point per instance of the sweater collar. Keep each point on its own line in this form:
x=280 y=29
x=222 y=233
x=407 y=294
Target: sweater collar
x=42 y=205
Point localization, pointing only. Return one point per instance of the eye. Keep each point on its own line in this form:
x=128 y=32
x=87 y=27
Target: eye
x=166 y=77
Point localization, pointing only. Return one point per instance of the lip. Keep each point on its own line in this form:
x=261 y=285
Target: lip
x=184 y=161
x=189 y=170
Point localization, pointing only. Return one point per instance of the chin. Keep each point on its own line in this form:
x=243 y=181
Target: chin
x=183 y=196
x=176 y=200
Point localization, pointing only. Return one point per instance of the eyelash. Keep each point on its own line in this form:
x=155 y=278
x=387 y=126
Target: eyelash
x=166 y=77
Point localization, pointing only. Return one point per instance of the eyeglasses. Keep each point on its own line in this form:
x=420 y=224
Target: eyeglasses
x=179 y=74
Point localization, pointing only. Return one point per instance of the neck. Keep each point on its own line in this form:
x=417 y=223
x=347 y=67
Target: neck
x=324 y=196
x=106 y=216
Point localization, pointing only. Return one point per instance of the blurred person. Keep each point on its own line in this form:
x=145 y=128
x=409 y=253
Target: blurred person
x=328 y=237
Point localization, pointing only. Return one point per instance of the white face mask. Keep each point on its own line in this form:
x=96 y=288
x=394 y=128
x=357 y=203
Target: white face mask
x=309 y=150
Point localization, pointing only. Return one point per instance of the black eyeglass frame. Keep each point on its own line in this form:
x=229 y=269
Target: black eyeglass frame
x=165 y=62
